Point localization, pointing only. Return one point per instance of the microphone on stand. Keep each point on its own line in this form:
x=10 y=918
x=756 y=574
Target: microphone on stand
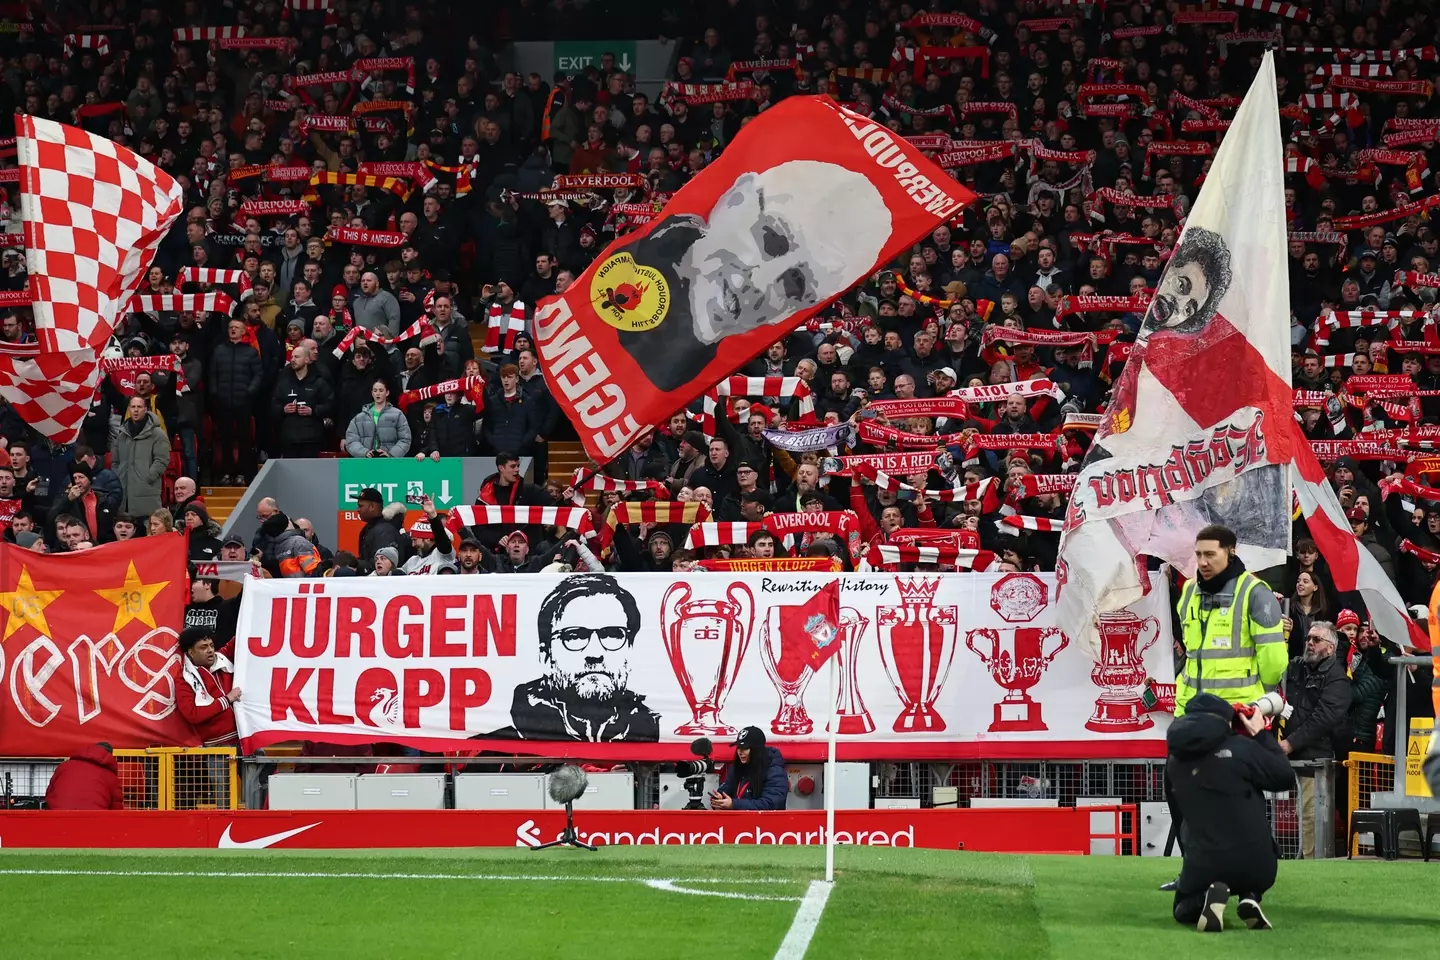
x=567 y=785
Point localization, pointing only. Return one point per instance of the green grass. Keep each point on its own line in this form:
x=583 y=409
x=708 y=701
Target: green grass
x=910 y=904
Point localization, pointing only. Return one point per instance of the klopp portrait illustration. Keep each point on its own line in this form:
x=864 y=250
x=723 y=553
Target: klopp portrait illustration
x=777 y=242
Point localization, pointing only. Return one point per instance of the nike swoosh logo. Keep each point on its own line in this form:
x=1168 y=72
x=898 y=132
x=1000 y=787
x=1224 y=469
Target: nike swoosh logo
x=259 y=843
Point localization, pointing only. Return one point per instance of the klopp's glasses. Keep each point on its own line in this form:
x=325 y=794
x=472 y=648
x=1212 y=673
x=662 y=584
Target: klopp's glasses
x=576 y=639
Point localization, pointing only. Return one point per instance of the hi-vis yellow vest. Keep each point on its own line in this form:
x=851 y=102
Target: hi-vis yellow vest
x=1221 y=656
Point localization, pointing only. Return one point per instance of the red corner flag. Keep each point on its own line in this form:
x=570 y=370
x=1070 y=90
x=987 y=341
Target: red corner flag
x=88 y=642
x=808 y=633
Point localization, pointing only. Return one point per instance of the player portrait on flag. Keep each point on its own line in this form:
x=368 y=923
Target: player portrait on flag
x=1198 y=427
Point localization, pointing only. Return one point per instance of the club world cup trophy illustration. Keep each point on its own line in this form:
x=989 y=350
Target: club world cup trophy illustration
x=917 y=644
x=850 y=709
x=1015 y=656
x=1120 y=672
x=706 y=642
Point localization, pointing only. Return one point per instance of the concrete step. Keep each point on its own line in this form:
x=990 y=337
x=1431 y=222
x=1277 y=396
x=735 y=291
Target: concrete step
x=220 y=501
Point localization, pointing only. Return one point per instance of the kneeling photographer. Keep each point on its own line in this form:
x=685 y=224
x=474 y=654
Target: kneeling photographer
x=1221 y=761
x=756 y=780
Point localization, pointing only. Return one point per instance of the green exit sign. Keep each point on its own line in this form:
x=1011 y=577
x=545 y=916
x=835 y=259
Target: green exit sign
x=572 y=57
x=403 y=481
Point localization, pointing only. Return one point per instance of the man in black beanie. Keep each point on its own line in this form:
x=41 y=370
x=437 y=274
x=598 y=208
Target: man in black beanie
x=1216 y=776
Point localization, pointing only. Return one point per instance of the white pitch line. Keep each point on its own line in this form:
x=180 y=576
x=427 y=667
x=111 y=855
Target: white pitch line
x=310 y=875
x=671 y=886
x=807 y=918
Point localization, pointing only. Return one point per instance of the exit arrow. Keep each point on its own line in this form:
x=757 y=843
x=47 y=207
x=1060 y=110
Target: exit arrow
x=624 y=62
x=444 y=492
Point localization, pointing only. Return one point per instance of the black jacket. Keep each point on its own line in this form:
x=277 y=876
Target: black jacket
x=1320 y=698
x=510 y=425
x=235 y=375
x=452 y=431
x=315 y=391
x=1214 y=781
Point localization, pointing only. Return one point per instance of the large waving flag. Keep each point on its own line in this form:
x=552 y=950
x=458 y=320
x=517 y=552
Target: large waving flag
x=1199 y=427
x=94 y=212
x=808 y=199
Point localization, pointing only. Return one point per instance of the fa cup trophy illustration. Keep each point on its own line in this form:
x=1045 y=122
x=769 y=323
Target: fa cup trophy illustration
x=1120 y=672
x=706 y=641
x=917 y=645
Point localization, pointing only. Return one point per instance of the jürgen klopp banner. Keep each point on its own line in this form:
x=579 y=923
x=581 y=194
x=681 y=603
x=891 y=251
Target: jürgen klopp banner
x=809 y=199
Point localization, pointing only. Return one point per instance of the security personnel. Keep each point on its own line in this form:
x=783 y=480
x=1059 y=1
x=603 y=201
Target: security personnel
x=1231 y=625
x=1215 y=778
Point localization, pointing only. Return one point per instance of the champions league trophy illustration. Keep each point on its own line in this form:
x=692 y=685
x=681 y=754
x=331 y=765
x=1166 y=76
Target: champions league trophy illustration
x=1015 y=656
x=706 y=641
x=1120 y=672
x=789 y=670
x=850 y=710
x=917 y=644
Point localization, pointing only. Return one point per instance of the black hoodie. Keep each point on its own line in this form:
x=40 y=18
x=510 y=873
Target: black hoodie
x=1215 y=778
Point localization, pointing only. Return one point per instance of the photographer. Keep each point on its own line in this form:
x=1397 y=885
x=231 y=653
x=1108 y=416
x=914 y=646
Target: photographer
x=1215 y=781
x=756 y=780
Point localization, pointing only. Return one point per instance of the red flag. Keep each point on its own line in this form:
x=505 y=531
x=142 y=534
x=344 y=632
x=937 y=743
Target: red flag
x=808 y=199
x=809 y=633
x=88 y=647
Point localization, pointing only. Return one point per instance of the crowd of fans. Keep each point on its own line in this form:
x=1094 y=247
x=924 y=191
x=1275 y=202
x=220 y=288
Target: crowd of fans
x=283 y=376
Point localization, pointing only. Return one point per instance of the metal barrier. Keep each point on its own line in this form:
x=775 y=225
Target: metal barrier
x=156 y=778
x=1128 y=781
x=1289 y=818
x=1368 y=773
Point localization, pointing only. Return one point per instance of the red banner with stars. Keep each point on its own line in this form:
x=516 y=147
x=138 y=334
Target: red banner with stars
x=88 y=647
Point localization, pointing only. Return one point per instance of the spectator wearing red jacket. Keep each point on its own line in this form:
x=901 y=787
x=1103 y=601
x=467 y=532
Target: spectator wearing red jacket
x=89 y=780
x=206 y=696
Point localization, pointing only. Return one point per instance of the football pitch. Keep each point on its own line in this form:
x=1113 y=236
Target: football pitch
x=628 y=902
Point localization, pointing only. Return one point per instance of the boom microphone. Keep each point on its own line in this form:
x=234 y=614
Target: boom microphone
x=568 y=784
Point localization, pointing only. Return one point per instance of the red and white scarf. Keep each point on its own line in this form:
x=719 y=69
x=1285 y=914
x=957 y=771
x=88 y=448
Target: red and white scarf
x=786 y=388
x=211 y=275
x=421 y=328
x=481 y=515
x=882 y=554
x=472 y=390
x=118 y=367
x=721 y=534
x=217 y=301
x=500 y=330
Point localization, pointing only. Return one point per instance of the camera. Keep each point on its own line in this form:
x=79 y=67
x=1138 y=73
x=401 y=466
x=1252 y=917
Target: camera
x=695 y=771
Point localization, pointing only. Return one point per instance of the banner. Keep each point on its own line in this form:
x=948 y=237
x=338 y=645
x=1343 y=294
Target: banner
x=527 y=662
x=88 y=647
x=1173 y=453
x=806 y=201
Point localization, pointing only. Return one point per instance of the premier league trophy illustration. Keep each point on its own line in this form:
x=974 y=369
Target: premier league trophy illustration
x=1120 y=672
x=706 y=641
x=917 y=644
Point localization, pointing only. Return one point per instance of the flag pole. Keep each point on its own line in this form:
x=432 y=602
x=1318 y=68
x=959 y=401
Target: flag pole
x=830 y=771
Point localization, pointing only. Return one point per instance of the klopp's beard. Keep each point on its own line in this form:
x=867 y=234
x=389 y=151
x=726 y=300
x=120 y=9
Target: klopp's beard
x=592 y=683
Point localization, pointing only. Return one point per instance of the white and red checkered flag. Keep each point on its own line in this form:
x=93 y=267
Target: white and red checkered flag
x=94 y=213
x=51 y=392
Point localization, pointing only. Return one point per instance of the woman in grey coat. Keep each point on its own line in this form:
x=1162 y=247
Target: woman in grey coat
x=378 y=430
x=141 y=456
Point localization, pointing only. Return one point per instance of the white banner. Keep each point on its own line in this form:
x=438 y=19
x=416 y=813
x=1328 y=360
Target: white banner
x=938 y=665
x=1176 y=450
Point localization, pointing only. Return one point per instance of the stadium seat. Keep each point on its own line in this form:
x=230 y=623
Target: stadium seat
x=1376 y=822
